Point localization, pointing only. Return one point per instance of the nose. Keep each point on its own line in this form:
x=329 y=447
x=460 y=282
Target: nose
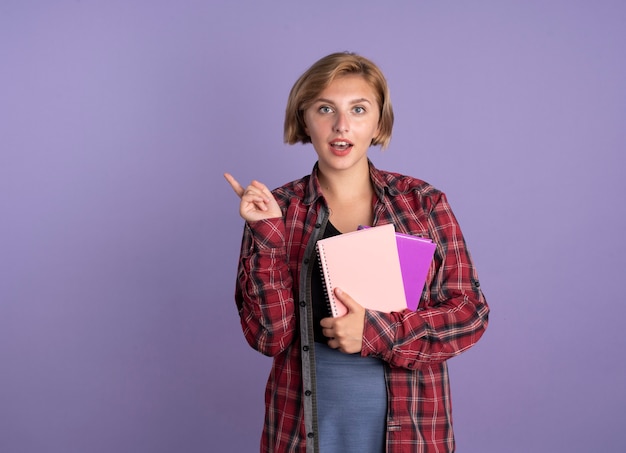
x=341 y=123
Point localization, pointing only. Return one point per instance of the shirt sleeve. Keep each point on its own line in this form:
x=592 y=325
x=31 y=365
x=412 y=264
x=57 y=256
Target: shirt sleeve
x=263 y=291
x=454 y=314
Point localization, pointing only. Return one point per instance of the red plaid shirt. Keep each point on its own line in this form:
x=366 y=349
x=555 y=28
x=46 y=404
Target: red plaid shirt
x=273 y=296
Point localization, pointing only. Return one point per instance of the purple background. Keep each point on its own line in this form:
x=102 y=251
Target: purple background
x=119 y=237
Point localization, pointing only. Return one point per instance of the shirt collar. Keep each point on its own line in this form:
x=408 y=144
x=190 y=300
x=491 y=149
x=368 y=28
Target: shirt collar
x=383 y=183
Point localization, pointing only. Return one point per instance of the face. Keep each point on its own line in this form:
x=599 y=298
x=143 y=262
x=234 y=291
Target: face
x=342 y=121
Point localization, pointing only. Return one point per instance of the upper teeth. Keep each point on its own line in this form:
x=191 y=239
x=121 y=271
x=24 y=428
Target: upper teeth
x=341 y=143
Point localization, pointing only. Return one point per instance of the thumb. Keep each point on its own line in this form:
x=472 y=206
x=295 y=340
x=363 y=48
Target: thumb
x=351 y=304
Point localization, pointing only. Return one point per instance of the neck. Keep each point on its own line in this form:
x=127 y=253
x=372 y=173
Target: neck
x=346 y=185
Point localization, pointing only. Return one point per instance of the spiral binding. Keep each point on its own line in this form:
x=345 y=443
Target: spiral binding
x=327 y=283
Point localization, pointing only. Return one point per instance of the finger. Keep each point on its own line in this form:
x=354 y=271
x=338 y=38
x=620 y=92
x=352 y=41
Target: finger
x=262 y=187
x=234 y=184
x=345 y=299
x=260 y=205
x=351 y=304
x=253 y=196
x=255 y=193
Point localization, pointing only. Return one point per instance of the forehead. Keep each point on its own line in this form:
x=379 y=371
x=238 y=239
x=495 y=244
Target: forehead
x=349 y=86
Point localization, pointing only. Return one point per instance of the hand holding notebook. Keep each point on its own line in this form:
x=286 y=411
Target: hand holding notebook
x=345 y=333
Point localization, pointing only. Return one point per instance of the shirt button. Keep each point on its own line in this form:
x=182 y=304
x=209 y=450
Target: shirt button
x=308 y=393
x=305 y=348
x=318 y=225
x=302 y=303
x=306 y=261
x=310 y=435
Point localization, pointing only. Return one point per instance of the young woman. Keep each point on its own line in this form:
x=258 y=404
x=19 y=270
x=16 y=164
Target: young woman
x=367 y=381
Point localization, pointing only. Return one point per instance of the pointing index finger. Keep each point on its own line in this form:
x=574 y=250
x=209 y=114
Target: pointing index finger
x=234 y=184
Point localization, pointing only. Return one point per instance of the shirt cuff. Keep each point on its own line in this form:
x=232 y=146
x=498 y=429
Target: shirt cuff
x=379 y=332
x=268 y=233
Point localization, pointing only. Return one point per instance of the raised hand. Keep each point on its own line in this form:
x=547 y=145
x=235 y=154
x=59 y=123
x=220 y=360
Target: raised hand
x=257 y=201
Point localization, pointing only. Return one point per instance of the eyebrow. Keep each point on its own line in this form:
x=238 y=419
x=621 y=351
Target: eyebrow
x=355 y=101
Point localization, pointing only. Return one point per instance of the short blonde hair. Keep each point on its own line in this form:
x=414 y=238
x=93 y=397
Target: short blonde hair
x=319 y=76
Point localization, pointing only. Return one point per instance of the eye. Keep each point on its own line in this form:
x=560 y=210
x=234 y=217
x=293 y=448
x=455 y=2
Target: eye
x=325 y=109
x=359 y=109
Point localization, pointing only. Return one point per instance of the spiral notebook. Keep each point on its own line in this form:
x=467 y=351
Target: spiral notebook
x=366 y=265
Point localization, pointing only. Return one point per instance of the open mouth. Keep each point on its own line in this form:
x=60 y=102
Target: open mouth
x=341 y=145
